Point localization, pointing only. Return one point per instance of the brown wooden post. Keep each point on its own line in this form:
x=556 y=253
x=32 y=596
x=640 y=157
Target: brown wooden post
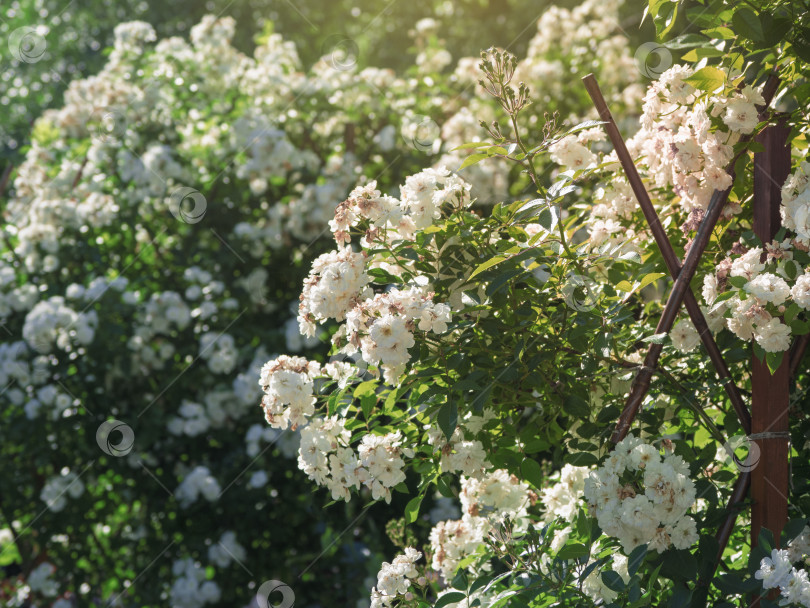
x=770 y=392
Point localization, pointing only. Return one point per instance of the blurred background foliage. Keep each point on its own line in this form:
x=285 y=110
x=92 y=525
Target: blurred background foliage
x=79 y=31
x=377 y=33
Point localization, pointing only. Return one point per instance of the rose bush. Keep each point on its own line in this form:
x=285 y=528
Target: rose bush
x=160 y=226
x=487 y=356
x=159 y=220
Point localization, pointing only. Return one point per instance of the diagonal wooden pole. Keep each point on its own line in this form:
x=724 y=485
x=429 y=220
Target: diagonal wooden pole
x=676 y=297
x=672 y=262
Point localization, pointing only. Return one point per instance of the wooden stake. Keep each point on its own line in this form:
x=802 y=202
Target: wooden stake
x=770 y=392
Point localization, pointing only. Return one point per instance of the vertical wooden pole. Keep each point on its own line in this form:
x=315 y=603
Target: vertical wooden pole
x=770 y=392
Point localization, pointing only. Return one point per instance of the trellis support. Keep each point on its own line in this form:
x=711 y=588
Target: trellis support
x=770 y=392
x=641 y=385
x=668 y=253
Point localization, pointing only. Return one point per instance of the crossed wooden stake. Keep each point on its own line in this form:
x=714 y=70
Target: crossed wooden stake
x=768 y=419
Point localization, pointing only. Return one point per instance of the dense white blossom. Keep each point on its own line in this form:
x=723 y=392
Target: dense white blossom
x=562 y=498
x=196 y=483
x=458 y=454
x=595 y=588
x=684 y=336
x=190 y=588
x=640 y=497
x=226 y=550
x=484 y=502
x=572 y=154
x=773 y=336
x=381 y=327
x=394 y=579
x=337 y=279
x=327 y=458
x=768 y=287
x=59 y=488
x=288 y=388
x=795 y=208
x=40 y=581
x=51 y=323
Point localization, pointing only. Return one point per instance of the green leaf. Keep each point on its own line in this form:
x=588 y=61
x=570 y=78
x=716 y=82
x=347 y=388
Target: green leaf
x=791 y=312
x=576 y=406
x=450 y=598
x=365 y=388
x=628 y=287
x=532 y=472
x=686 y=41
x=679 y=565
x=537 y=444
x=613 y=581
x=636 y=558
x=650 y=278
x=493 y=261
x=654 y=6
x=546 y=215
x=472 y=144
x=531 y=207
x=338 y=403
x=655 y=338
x=738 y=282
x=801 y=48
x=746 y=23
x=663 y=13
x=573 y=551
x=367 y=403
x=391 y=399
x=696 y=55
x=726 y=295
x=723 y=33
x=799 y=327
x=707 y=79
x=548 y=218
x=774 y=360
x=383 y=276
x=491 y=582
x=793 y=528
x=681 y=596
x=472 y=159
x=560 y=188
x=444 y=487
x=774 y=28
x=366 y=392
x=447 y=417
x=588 y=124
x=580 y=459
x=665 y=24
x=412 y=509
x=732 y=583
x=791 y=269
